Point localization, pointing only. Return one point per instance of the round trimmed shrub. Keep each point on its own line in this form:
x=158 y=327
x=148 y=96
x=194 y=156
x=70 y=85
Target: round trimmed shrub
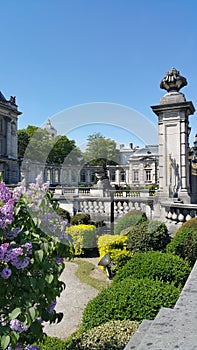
x=112 y=335
x=132 y=218
x=148 y=235
x=165 y=267
x=184 y=242
x=64 y=214
x=131 y=299
x=80 y=219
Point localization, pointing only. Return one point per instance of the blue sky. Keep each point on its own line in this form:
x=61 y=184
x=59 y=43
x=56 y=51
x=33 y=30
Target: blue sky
x=60 y=54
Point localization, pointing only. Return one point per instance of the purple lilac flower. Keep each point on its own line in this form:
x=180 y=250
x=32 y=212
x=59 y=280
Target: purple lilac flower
x=19 y=346
x=17 y=193
x=28 y=246
x=6 y=273
x=6 y=213
x=52 y=307
x=12 y=254
x=5 y=194
x=12 y=234
x=17 y=326
x=59 y=260
x=3 y=250
x=32 y=347
x=19 y=264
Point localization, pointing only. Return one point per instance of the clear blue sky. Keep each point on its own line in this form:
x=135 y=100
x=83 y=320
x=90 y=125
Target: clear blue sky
x=56 y=54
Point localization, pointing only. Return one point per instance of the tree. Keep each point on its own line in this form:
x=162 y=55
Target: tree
x=37 y=145
x=101 y=150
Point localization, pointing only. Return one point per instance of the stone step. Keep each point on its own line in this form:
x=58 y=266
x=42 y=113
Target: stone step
x=138 y=336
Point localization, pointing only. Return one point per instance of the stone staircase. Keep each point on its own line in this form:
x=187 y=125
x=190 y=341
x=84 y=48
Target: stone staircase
x=172 y=329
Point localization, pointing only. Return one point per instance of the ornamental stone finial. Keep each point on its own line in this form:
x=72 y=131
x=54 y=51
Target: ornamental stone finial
x=173 y=81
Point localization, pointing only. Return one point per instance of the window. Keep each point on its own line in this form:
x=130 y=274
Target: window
x=122 y=175
x=135 y=175
x=82 y=176
x=48 y=175
x=92 y=176
x=113 y=175
x=56 y=175
x=148 y=175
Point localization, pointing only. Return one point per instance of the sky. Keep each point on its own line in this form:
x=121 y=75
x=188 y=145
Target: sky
x=56 y=55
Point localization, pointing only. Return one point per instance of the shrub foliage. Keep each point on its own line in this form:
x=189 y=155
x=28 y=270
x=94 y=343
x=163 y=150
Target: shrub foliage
x=157 y=266
x=80 y=218
x=132 y=218
x=133 y=299
x=184 y=243
x=84 y=237
x=113 y=335
x=148 y=235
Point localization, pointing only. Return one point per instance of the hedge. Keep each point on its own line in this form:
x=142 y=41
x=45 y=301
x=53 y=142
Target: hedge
x=80 y=218
x=132 y=218
x=157 y=266
x=84 y=237
x=148 y=235
x=113 y=335
x=184 y=242
x=133 y=299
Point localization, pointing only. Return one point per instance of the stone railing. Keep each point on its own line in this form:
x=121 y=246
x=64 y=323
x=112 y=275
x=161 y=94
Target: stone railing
x=178 y=213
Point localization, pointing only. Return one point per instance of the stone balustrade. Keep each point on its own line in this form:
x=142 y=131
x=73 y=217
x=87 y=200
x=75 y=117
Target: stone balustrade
x=178 y=213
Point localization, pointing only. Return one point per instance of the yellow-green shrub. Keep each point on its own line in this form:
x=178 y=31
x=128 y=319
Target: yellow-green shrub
x=116 y=247
x=84 y=237
x=108 y=242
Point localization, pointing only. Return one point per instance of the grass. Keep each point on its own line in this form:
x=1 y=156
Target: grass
x=83 y=272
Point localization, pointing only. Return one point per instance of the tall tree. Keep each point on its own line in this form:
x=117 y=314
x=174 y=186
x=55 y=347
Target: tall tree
x=101 y=150
x=36 y=144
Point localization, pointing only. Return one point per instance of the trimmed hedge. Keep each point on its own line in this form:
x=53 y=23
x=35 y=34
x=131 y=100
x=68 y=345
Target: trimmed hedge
x=84 y=237
x=108 y=242
x=120 y=257
x=132 y=299
x=148 y=235
x=64 y=214
x=157 y=266
x=132 y=218
x=184 y=242
x=113 y=335
x=80 y=218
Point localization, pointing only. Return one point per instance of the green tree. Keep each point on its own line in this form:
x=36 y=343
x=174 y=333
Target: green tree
x=36 y=144
x=101 y=150
x=23 y=140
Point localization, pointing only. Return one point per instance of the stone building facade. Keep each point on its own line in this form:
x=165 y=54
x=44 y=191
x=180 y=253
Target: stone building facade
x=9 y=163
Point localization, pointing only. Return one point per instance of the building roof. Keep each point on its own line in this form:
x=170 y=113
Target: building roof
x=147 y=151
x=2 y=98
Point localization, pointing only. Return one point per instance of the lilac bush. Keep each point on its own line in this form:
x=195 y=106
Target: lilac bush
x=33 y=246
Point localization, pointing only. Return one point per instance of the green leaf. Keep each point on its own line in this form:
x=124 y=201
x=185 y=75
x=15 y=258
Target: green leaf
x=5 y=340
x=14 y=314
x=49 y=278
x=39 y=255
x=32 y=313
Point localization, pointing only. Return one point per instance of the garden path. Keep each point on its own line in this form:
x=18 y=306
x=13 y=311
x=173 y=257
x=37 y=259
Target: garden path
x=73 y=300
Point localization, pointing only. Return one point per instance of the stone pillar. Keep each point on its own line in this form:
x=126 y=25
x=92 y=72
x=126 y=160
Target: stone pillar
x=173 y=131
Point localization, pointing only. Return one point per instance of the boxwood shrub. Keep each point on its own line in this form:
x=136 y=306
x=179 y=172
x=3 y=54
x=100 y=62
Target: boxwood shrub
x=148 y=235
x=84 y=237
x=184 y=242
x=131 y=299
x=132 y=218
x=112 y=335
x=80 y=218
x=157 y=266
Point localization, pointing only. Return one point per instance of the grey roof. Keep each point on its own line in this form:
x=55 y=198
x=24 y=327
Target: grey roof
x=149 y=150
x=2 y=98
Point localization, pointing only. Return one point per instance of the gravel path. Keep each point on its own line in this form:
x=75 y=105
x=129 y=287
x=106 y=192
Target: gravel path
x=72 y=301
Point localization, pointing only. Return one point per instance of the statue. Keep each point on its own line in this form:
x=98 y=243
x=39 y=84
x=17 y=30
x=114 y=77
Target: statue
x=173 y=81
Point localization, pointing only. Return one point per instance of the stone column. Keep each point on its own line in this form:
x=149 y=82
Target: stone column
x=173 y=131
